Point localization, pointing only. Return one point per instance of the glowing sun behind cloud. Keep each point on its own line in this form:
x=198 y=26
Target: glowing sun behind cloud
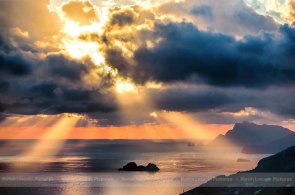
x=82 y=18
x=125 y=86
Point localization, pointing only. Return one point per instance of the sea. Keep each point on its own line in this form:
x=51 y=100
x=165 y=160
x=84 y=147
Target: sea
x=91 y=166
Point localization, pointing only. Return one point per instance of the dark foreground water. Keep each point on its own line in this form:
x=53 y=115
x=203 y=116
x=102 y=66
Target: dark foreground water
x=90 y=166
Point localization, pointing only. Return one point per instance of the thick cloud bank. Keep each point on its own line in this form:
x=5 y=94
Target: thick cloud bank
x=211 y=58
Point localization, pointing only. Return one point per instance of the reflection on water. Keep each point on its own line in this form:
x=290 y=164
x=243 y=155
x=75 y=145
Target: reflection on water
x=90 y=167
x=104 y=183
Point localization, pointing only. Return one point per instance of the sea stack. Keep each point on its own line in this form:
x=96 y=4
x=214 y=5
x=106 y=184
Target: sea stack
x=132 y=166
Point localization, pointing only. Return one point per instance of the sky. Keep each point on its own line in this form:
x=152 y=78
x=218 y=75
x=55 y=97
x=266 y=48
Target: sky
x=136 y=69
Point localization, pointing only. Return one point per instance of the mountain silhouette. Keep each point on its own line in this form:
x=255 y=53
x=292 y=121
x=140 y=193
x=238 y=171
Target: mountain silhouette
x=248 y=134
x=281 y=164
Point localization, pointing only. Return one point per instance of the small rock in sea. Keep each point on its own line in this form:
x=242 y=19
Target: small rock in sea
x=152 y=167
x=132 y=166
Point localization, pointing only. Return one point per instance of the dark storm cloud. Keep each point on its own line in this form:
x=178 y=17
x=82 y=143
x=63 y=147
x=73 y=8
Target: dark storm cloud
x=62 y=90
x=2 y=117
x=30 y=84
x=232 y=70
x=250 y=71
x=211 y=103
x=12 y=60
x=115 y=57
x=14 y=64
x=61 y=66
x=186 y=53
x=3 y=85
x=2 y=107
x=190 y=100
x=202 y=98
x=5 y=46
x=54 y=98
x=221 y=105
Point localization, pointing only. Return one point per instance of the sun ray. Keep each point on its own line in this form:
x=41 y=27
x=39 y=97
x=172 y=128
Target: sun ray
x=47 y=146
x=190 y=127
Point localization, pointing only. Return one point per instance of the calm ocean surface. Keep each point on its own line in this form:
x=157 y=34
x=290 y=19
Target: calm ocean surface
x=90 y=166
